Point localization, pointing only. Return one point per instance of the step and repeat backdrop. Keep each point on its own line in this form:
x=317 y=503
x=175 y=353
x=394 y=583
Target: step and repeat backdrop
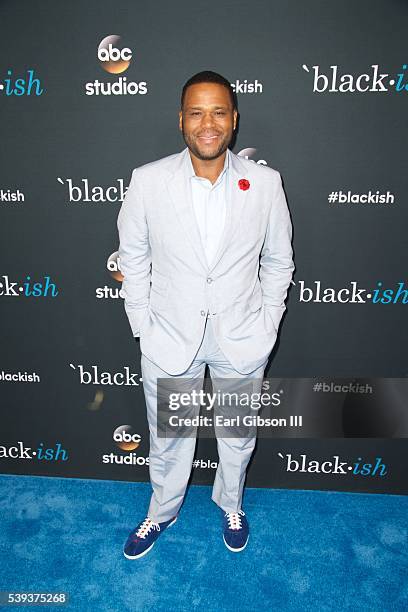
x=89 y=91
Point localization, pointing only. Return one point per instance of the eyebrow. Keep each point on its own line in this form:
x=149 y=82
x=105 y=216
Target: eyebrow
x=214 y=107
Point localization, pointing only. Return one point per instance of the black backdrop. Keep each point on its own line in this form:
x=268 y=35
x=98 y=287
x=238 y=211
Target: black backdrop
x=68 y=150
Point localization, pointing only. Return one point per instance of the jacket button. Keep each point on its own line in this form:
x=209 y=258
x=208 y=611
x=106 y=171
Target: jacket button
x=203 y=313
x=209 y=280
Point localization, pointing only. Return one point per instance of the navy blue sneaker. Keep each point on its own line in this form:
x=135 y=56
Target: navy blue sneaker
x=236 y=530
x=144 y=536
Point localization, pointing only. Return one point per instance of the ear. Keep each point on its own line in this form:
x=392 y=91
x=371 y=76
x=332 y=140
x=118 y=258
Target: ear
x=235 y=118
x=180 y=121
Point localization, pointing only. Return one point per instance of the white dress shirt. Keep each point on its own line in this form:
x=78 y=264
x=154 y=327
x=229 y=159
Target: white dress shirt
x=209 y=203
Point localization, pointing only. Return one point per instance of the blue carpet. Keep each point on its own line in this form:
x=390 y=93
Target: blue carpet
x=308 y=550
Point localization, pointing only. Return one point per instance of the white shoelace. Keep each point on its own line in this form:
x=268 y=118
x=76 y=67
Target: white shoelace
x=146 y=527
x=234 y=519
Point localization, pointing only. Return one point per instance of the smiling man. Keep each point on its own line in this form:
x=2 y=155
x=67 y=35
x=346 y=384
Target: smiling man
x=205 y=251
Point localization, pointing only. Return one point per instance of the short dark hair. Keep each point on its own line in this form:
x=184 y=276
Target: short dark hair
x=207 y=76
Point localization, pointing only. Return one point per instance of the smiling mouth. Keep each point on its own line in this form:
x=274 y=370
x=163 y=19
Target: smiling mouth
x=208 y=139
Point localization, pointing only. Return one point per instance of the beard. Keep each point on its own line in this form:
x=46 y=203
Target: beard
x=202 y=153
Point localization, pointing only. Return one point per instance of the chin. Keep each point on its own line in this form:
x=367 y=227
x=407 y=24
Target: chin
x=207 y=154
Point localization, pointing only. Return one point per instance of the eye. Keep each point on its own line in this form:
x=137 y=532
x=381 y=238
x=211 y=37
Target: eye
x=220 y=112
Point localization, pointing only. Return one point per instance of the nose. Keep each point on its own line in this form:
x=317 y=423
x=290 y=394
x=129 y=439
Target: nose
x=207 y=120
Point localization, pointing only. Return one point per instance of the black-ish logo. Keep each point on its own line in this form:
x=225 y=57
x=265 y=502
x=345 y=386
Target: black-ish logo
x=244 y=86
x=353 y=294
x=29 y=85
x=93 y=375
x=370 y=197
x=334 y=80
x=7 y=195
x=83 y=192
x=19 y=377
x=41 y=453
x=335 y=466
x=27 y=288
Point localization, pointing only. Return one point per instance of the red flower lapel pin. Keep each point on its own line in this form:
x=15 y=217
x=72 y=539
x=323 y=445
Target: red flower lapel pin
x=244 y=184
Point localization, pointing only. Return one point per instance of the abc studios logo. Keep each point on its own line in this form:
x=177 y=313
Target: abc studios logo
x=114 y=59
x=126 y=439
x=113 y=266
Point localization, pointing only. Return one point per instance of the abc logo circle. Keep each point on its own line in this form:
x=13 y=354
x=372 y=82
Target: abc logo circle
x=113 y=266
x=113 y=57
x=125 y=438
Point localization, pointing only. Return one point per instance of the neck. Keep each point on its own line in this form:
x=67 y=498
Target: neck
x=208 y=168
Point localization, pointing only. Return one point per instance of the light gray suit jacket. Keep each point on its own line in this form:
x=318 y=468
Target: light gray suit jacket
x=168 y=286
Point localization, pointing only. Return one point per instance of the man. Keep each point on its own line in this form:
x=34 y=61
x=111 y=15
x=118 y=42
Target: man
x=205 y=251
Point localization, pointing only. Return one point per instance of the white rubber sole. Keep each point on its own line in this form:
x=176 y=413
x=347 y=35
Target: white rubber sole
x=235 y=549
x=150 y=547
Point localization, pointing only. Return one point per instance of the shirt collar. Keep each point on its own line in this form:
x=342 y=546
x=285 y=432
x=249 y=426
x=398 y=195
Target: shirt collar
x=191 y=173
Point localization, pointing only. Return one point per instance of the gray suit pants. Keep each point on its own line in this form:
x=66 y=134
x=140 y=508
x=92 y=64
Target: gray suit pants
x=170 y=459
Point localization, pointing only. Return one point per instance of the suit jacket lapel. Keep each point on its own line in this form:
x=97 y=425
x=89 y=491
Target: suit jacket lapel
x=235 y=202
x=179 y=188
x=180 y=191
